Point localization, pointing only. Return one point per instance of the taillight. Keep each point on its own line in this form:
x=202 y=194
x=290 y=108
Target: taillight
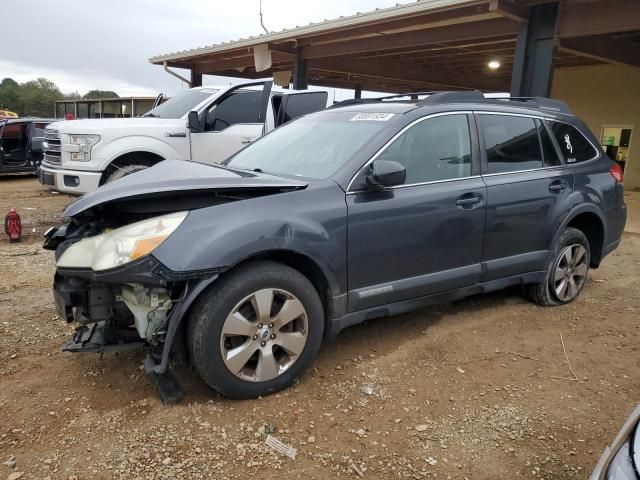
x=616 y=172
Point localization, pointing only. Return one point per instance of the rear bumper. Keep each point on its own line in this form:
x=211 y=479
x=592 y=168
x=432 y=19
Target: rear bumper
x=69 y=181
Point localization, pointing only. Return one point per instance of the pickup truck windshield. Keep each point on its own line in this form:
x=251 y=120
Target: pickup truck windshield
x=314 y=146
x=180 y=105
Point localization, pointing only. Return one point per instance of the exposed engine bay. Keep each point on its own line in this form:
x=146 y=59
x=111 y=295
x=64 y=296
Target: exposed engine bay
x=107 y=277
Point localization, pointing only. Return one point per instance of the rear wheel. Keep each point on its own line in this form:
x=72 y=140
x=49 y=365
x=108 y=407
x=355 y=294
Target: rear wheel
x=566 y=271
x=257 y=330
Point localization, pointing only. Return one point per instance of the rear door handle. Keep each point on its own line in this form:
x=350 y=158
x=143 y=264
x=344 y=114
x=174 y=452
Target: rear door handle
x=558 y=186
x=468 y=199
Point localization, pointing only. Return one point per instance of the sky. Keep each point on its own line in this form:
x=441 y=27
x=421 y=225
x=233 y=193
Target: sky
x=106 y=44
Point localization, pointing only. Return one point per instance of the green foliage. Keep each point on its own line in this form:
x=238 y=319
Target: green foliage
x=95 y=94
x=9 y=94
x=36 y=98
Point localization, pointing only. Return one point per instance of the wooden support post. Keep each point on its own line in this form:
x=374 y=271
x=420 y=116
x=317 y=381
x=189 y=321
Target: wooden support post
x=300 y=73
x=196 y=78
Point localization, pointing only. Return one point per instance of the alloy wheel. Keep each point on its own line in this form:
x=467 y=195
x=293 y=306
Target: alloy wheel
x=265 y=333
x=570 y=272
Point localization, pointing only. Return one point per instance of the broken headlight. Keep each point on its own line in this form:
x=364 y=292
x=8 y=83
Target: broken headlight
x=122 y=245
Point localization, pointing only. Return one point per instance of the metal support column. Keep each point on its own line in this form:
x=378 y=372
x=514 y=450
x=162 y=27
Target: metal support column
x=196 y=79
x=533 y=63
x=300 y=73
x=357 y=92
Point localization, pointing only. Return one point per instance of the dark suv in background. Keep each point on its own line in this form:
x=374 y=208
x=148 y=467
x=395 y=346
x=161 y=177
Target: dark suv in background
x=21 y=142
x=368 y=209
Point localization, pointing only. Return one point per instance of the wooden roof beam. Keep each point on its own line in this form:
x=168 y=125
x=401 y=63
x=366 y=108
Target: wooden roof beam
x=462 y=32
x=212 y=67
x=405 y=73
x=603 y=48
x=438 y=18
x=580 y=19
x=509 y=10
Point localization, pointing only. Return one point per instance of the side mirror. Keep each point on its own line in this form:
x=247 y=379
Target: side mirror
x=193 y=122
x=385 y=173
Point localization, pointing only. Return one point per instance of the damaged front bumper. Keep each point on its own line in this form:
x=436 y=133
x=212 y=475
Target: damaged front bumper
x=141 y=303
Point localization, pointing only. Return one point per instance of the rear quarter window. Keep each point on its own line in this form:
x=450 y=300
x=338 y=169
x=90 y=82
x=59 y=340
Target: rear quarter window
x=574 y=146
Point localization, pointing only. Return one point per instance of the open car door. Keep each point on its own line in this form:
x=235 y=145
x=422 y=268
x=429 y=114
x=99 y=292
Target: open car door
x=230 y=123
x=14 y=145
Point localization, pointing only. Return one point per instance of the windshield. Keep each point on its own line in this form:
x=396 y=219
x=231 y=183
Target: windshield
x=180 y=105
x=314 y=146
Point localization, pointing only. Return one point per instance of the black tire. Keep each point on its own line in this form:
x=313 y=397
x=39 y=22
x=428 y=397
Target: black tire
x=123 y=172
x=544 y=293
x=208 y=316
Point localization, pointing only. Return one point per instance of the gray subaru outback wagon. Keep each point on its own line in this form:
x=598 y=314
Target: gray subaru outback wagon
x=368 y=209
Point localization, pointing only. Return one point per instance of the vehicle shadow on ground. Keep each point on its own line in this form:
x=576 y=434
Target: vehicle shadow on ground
x=6 y=177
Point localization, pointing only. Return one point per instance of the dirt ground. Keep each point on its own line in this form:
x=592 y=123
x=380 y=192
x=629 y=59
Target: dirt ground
x=478 y=389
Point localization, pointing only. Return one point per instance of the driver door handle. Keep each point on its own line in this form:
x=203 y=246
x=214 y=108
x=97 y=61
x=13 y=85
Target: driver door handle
x=468 y=200
x=558 y=185
x=246 y=140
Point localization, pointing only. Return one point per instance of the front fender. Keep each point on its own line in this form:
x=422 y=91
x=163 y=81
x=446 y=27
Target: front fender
x=139 y=143
x=307 y=222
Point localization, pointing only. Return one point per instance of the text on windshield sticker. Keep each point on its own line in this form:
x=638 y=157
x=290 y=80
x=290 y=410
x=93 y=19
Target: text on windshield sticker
x=375 y=117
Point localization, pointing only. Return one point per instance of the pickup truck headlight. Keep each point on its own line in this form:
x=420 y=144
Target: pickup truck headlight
x=122 y=245
x=80 y=146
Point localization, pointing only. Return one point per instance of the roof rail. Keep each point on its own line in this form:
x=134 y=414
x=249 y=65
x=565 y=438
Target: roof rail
x=471 y=96
x=408 y=94
x=454 y=96
x=543 y=103
x=358 y=101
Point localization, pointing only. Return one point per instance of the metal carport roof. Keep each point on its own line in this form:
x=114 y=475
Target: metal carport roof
x=424 y=45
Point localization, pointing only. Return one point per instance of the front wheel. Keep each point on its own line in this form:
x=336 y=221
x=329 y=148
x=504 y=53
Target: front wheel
x=566 y=271
x=257 y=330
x=123 y=172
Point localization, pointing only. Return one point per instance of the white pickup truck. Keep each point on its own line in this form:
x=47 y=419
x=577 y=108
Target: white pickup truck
x=203 y=124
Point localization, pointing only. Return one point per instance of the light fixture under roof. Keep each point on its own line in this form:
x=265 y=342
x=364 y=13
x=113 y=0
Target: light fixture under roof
x=494 y=64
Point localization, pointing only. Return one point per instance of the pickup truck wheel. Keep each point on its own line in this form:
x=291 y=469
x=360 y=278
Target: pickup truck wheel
x=257 y=330
x=567 y=271
x=123 y=172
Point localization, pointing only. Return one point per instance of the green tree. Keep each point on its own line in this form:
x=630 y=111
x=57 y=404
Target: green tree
x=37 y=97
x=10 y=94
x=95 y=94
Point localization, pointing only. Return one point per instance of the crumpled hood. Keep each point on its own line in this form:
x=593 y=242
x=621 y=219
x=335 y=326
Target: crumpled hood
x=172 y=177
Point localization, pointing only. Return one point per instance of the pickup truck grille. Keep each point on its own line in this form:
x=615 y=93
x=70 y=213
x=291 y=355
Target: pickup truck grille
x=53 y=148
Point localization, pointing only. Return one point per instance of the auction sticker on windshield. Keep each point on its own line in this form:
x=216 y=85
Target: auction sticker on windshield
x=376 y=117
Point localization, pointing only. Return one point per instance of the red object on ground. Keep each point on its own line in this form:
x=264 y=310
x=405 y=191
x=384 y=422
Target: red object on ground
x=69 y=116
x=12 y=225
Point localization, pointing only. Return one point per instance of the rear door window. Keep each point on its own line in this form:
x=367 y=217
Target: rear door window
x=299 y=104
x=512 y=143
x=573 y=145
